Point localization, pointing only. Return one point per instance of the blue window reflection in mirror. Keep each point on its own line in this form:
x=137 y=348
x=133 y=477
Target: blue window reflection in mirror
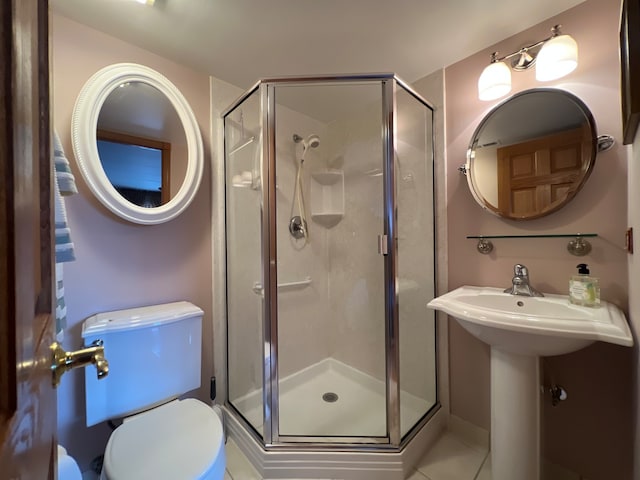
x=138 y=168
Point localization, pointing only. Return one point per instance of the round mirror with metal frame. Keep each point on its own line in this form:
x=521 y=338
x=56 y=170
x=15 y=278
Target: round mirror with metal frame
x=531 y=154
x=103 y=91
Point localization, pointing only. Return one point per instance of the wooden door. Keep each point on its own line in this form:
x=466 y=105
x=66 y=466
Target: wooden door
x=27 y=398
x=537 y=175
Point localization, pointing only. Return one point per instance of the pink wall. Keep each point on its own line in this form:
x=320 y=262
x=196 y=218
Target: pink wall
x=591 y=432
x=119 y=264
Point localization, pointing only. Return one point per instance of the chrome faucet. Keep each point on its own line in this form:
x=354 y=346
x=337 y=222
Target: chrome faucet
x=520 y=283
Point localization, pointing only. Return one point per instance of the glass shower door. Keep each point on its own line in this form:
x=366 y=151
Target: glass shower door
x=415 y=258
x=330 y=297
x=245 y=292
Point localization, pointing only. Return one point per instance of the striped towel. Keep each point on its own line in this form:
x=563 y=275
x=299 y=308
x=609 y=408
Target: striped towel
x=61 y=307
x=63 y=171
x=64 y=184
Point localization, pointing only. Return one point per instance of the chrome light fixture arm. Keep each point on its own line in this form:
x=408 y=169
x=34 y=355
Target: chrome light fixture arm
x=525 y=59
x=553 y=62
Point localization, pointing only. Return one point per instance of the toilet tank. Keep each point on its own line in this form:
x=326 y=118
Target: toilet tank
x=154 y=356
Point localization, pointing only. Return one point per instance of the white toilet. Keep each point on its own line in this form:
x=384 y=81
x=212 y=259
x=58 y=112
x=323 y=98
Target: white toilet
x=154 y=356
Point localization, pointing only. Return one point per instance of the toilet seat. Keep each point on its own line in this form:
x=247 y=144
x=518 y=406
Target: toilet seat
x=182 y=439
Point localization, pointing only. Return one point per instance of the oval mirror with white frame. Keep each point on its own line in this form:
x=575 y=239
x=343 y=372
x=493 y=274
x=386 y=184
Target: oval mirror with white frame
x=532 y=153
x=138 y=144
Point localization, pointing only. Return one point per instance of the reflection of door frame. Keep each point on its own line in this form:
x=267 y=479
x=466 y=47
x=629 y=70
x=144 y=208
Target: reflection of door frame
x=164 y=147
x=541 y=147
x=27 y=398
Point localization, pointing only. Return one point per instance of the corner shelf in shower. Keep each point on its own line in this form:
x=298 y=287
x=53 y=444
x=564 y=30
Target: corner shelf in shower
x=327 y=197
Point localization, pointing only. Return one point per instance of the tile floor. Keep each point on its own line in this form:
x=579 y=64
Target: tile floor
x=450 y=459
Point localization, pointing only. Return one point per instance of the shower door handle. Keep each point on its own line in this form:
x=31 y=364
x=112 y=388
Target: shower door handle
x=383 y=245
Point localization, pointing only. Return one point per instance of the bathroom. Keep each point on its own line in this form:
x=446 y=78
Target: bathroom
x=121 y=265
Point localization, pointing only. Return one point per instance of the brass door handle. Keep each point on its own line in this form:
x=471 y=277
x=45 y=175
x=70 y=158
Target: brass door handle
x=63 y=361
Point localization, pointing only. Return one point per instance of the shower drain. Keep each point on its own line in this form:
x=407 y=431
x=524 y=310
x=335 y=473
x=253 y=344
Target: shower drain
x=330 y=397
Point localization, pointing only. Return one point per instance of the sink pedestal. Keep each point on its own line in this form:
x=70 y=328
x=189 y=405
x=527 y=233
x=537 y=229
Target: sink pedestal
x=515 y=416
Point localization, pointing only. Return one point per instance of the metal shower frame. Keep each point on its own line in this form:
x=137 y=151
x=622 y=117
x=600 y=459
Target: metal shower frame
x=271 y=438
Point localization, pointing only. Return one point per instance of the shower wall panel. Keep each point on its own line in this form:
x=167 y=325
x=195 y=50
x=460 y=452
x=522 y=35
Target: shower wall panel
x=304 y=338
x=356 y=270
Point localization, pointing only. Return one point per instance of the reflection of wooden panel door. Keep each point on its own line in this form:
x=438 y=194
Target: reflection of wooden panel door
x=536 y=175
x=27 y=398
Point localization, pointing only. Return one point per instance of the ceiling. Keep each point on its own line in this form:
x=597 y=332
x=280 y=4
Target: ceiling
x=241 y=41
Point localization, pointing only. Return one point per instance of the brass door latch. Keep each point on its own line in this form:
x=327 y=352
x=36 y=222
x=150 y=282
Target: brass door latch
x=62 y=361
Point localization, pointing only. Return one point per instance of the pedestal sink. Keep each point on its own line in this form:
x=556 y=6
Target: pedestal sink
x=519 y=330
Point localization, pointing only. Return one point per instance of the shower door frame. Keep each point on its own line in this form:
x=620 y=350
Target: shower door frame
x=271 y=438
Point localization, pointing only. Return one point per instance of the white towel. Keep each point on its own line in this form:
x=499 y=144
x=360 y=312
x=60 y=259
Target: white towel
x=64 y=184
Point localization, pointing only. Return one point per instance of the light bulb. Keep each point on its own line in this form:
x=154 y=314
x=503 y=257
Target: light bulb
x=558 y=57
x=494 y=82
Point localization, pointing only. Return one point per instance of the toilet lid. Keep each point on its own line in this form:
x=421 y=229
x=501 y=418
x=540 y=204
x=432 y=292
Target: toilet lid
x=182 y=439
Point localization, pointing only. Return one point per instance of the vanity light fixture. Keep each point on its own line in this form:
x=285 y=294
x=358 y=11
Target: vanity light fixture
x=145 y=2
x=554 y=58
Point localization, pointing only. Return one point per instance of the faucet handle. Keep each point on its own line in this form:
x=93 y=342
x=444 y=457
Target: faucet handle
x=520 y=270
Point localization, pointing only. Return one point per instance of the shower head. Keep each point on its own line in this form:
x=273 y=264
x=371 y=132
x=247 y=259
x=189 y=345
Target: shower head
x=312 y=141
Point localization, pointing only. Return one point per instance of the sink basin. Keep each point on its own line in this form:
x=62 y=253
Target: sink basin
x=538 y=326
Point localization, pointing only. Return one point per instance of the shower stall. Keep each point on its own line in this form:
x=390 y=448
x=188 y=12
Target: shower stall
x=330 y=262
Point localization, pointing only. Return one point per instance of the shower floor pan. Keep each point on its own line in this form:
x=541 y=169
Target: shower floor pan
x=331 y=398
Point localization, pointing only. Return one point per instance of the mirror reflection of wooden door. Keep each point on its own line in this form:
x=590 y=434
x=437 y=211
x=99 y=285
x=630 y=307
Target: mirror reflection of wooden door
x=28 y=444
x=537 y=175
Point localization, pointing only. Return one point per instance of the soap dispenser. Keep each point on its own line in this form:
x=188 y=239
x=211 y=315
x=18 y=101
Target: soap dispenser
x=583 y=288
